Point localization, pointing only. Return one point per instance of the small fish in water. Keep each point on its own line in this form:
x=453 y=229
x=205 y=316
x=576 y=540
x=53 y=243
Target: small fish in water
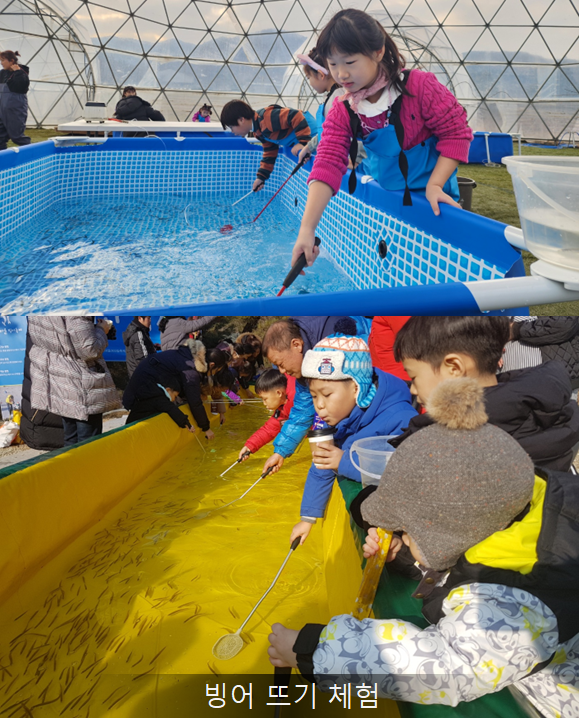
x=226 y=229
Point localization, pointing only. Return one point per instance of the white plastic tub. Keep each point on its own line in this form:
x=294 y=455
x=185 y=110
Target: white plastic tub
x=547 y=192
x=373 y=455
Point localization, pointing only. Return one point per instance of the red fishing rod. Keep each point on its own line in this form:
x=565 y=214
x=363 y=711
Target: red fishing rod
x=229 y=228
x=297 y=268
x=297 y=168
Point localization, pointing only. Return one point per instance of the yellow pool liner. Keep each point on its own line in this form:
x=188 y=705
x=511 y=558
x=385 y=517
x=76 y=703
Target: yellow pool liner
x=112 y=592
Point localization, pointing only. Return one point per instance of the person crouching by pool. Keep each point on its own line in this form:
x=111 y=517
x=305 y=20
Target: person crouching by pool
x=277 y=392
x=187 y=365
x=498 y=548
x=154 y=398
x=414 y=130
x=14 y=84
x=356 y=399
x=273 y=126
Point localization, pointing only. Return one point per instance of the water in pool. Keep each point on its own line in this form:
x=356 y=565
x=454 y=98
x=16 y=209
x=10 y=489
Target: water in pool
x=149 y=251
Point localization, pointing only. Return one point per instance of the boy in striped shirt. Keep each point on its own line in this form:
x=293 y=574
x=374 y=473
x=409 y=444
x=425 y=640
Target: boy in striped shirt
x=274 y=127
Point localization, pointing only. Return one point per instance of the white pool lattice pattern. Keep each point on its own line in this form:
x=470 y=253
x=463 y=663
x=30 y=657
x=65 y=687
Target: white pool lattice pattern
x=350 y=230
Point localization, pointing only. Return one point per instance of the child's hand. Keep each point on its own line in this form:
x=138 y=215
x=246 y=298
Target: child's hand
x=435 y=194
x=302 y=530
x=372 y=543
x=275 y=462
x=244 y=453
x=305 y=244
x=209 y=434
x=190 y=428
x=297 y=149
x=327 y=456
x=305 y=152
x=258 y=185
x=395 y=546
x=282 y=640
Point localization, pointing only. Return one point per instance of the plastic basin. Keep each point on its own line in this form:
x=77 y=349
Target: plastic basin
x=547 y=192
x=373 y=455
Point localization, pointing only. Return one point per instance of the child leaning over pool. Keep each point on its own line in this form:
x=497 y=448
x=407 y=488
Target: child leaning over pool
x=277 y=391
x=356 y=399
x=498 y=548
x=414 y=130
x=273 y=126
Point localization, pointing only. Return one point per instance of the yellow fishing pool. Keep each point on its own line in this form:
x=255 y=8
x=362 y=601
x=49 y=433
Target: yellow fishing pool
x=113 y=592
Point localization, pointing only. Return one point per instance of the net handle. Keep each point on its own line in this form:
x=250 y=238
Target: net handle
x=294 y=546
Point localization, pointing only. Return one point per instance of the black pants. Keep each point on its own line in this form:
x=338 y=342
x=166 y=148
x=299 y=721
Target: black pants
x=80 y=430
x=13 y=119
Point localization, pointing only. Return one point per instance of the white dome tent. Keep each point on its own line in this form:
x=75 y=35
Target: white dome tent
x=513 y=64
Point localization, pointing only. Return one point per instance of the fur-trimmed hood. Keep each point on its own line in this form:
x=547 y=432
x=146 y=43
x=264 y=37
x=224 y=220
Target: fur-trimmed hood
x=197 y=349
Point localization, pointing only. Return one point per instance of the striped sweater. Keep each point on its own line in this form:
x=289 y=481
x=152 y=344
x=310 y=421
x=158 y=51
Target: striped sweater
x=276 y=123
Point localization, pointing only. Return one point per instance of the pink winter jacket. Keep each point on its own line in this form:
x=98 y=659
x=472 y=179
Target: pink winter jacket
x=432 y=110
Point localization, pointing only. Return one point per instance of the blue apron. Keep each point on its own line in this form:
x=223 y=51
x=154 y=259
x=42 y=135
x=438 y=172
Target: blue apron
x=383 y=163
x=389 y=165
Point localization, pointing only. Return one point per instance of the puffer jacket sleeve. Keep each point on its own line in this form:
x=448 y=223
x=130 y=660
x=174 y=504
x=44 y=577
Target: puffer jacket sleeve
x=265 y=434
x=192 y=393
x=89 y=341
x=491 y=636
x=299 y=422
x=546 y=330
x=198 y=323
x=317 y=491
x=178 y=417
x=139 y=349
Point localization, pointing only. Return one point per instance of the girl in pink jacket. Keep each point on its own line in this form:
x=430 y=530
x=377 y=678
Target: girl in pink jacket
x=414 y=130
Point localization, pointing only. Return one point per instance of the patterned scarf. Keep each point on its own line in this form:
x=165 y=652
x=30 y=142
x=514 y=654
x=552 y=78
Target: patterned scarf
x=357 y=96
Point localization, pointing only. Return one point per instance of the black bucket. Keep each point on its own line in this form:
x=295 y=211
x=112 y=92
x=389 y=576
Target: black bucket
x=465 y=188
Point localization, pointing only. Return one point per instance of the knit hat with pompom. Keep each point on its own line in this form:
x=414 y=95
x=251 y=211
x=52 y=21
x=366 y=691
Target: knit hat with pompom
x=341 y=357
x=452 y=484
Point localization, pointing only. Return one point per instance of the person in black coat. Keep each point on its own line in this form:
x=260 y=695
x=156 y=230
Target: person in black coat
x=551 y=338
x=533 y=405
x=134 y=107
x=187 y=365
x=138 y=343
x=14 y=84
x=156 y=397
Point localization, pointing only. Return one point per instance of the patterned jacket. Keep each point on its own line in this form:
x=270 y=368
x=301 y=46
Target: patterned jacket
x=275 y=123
x=505 y=615
x=69 y=376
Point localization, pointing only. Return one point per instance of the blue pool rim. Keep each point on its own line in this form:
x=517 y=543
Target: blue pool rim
x=471 y=233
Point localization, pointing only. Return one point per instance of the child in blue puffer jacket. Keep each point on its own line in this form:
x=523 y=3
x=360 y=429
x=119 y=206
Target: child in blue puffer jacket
x=356 y=399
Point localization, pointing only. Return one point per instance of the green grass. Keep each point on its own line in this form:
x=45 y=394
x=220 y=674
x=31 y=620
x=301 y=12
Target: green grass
x=493 y=197
x=39 y=135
